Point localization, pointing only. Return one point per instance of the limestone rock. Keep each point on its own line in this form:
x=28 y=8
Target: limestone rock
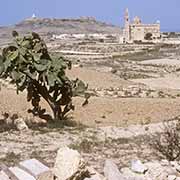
x=6 y=173
x=143 y=94
x=130 y=175
x=157 y=172
x=3 y=176
x=69 y=165
x=35 y=121
x=111 y=171
x=21 y=174
x=178 y=168
x=138 y=167
x=37 y=169
x=20 y=124
x=94 y=175
x=171 y=177
x=164 y=162
x=174 y=163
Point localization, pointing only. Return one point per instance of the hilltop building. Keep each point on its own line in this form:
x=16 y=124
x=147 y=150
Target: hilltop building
x=137 y=31
x=33 y=16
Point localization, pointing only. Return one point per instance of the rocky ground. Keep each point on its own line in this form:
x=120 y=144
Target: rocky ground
x=95 y=144
x=95 y=130
x=134 y=89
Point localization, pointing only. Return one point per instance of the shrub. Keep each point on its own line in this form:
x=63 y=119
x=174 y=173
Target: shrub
x=148 y=36
x=30 y=66
x=167 y=143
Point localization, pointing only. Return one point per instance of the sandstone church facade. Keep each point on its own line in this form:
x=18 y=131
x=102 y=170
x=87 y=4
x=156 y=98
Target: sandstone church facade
x=137 y=31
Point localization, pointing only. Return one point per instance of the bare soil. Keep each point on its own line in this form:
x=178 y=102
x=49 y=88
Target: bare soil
x=100 y=73
x=102 y=111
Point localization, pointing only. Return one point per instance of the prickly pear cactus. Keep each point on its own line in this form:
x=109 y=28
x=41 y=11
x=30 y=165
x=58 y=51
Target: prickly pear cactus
x=30 y=66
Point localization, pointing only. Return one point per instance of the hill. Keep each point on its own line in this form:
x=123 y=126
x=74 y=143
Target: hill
x=49 y=26
x=69 y=26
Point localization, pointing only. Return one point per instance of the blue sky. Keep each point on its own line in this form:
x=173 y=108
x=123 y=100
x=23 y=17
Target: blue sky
x=111 y=11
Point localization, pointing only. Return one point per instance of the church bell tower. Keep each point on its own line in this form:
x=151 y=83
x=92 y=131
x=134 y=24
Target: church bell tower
x=126 y=27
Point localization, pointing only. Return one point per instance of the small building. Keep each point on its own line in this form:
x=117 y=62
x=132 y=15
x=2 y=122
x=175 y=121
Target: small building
x=137 y=31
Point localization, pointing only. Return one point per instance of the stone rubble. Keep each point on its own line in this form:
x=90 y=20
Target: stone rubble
x=111 y=171
x=132 y=91
x=31 y=169
x=68 y=167
x=20 y=124
x=138 y=167
x=9 y=121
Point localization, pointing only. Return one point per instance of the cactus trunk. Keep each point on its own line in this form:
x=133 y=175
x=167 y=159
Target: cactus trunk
x=57 y=113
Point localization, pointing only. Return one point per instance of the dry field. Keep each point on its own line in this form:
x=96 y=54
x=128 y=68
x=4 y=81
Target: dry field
x=149 y=70
x=107 y=111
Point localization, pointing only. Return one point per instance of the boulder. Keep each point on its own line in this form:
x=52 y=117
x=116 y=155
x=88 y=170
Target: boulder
x=6 y=173
x=69 y=165
x=111 y=171
x=20 y=124
x=21 y=174
x=138 y=167
x=37 y=169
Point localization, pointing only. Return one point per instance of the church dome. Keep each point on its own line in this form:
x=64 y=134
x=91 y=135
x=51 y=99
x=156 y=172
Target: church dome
x=137 y=20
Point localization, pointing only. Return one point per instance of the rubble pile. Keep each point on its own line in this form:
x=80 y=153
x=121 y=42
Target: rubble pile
x=69 y=165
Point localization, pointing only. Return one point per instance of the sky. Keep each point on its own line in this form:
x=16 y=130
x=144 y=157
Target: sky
x=110 y=11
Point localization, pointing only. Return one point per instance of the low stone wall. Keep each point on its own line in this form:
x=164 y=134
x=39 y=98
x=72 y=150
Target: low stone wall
x=131 y=92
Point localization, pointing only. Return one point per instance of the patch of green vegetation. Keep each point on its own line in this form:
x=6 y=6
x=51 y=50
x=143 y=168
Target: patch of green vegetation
x=85 y=145
x=30 y=67
x=10 y=159
x=134 y=75
x=146 y=54
x=68 y=124
x=91 y=143
x=43 y=156
x=119 y=141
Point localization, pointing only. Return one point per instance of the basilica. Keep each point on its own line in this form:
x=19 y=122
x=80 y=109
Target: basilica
x=137 y=31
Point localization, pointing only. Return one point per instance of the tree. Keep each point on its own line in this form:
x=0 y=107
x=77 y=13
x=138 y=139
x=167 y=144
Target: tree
x=148 y=36
x=173 y=35
x=30 y=66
